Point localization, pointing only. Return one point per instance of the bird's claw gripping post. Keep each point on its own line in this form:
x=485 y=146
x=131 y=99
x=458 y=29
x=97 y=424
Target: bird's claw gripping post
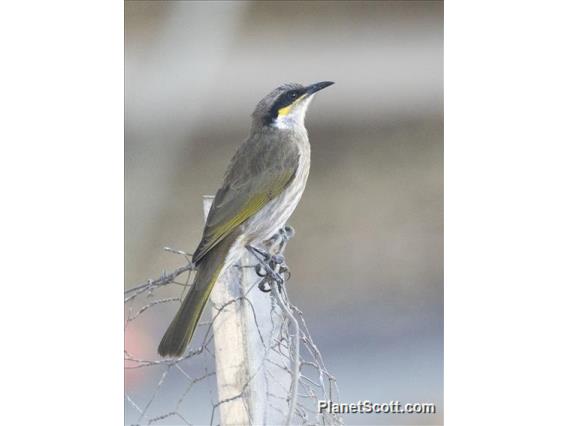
x=266 y=268
x=271 y=267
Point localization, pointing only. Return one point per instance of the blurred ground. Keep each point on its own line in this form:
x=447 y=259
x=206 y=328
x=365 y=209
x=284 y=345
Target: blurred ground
x=367 y=256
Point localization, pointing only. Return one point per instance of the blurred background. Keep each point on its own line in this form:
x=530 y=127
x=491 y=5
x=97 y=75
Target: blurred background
x=367 y=257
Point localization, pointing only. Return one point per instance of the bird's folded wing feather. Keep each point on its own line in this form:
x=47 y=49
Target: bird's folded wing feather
x=241 y=197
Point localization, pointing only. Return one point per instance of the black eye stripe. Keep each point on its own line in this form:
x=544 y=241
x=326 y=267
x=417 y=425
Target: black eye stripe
x=287 y=98
x=283 y=100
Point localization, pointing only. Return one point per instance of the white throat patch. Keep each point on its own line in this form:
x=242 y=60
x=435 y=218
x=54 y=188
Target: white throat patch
x=295 y=117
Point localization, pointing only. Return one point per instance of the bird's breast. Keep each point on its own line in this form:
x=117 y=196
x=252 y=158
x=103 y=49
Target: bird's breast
x=274 y=215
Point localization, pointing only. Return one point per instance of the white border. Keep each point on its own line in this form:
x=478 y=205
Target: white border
x=506 y=212
x=62 y=215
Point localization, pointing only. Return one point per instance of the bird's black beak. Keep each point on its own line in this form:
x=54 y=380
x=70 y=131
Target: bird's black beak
x=316 y=87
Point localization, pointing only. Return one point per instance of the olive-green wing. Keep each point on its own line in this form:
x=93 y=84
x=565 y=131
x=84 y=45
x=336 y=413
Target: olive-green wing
x=241 y=198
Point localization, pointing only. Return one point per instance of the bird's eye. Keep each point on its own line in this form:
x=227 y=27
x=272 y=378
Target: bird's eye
x=294 y=95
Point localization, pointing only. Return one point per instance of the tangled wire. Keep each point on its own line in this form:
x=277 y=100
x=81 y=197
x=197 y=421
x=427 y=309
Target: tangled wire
x=285 y=375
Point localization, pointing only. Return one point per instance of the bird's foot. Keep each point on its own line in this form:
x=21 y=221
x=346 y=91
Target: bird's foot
x=277 y=243
x=270 y=267
x=285 y=234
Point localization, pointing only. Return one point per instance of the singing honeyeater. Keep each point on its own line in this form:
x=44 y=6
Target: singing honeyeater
x=263 y=185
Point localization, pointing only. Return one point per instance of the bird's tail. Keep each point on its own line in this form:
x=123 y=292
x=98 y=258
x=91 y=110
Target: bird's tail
x=182 y=327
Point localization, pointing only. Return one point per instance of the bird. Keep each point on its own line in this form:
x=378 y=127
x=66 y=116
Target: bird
x=262 y=186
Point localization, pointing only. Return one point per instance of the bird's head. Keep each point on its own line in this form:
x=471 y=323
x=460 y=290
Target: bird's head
x=285 y=107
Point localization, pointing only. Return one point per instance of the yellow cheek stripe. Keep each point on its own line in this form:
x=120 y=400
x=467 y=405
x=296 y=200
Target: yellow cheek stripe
x=282 y=112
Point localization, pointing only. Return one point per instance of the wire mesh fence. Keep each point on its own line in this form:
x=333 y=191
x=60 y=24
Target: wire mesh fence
x=281 y=376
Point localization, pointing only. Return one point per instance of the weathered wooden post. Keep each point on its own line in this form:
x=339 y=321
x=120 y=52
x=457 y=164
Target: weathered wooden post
x=253 y=367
